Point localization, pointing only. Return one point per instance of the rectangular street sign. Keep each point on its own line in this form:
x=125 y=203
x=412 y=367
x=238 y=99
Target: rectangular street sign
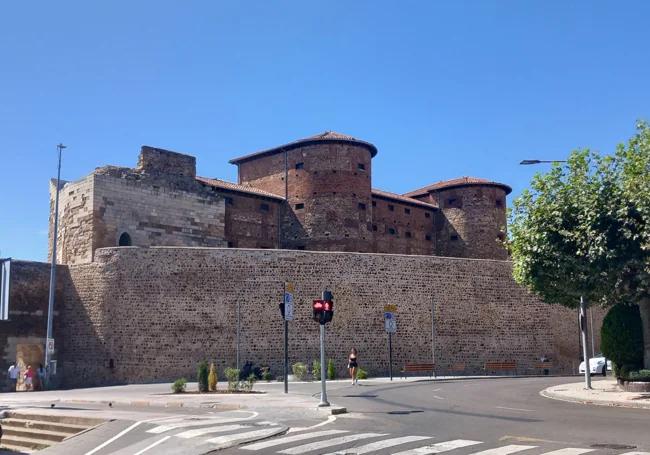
x=391 y=322
x=288 y=301
x=50 y=346
x=390 y=308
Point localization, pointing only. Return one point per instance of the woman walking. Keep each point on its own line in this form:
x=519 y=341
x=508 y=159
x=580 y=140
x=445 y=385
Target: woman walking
x=352 y=365
x=29 y=379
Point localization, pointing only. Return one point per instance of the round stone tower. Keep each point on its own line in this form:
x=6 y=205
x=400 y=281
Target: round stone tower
x=471 y=221
x=328 y=190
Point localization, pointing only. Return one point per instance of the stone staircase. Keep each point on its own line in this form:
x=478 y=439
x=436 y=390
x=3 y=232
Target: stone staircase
x=27 y=433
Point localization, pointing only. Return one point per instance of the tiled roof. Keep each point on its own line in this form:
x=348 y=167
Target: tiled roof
x=463 y=181
x=235 y=187
x=327 y=136
x=406 y=200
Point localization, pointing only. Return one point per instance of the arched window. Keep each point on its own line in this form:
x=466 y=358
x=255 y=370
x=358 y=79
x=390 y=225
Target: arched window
x=125 y=240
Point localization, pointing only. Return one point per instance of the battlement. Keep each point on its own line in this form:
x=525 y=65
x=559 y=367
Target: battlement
x=166 y=161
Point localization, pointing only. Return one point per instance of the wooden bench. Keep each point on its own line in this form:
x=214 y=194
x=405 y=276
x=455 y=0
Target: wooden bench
x=541 y=366
x=456 y=367
x=509 y=365
x=419 y=368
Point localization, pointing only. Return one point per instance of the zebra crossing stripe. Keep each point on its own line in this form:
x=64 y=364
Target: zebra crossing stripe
x=379 y=445
x=569 y=451
x=289 y=439
x=440 y=447
x=311 y=447
x=265 y=432
x=194 y=423
x=505 y=450
x=202 y=431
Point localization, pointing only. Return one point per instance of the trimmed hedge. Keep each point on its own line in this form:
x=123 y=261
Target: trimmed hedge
x=622 y=335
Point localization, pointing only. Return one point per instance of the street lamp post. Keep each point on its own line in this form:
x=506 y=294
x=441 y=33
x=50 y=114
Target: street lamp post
x=50 y=309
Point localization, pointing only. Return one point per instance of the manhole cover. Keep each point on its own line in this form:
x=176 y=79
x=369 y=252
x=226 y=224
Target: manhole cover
x=613 y=446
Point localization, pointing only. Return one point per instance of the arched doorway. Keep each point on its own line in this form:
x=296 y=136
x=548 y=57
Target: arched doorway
x=125 y=240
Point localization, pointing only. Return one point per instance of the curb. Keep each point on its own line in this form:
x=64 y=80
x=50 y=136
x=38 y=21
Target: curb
x=546 y=393
x=333 y=410
x=166 y=404
x=282 y=429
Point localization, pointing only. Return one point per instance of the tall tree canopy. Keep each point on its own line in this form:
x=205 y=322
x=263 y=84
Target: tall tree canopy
x=583 y=229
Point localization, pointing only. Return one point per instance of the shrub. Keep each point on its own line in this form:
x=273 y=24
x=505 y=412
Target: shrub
x=179 y=385
x=622 y=335
x=316 y=370
x=203 y=377
x=212 y=378
x=640 y=375
x=267 y=376
x=331 y=370
x=248 y=383
x=249 y=369
x=232 y=375
x=362 y=374
x=299 y=370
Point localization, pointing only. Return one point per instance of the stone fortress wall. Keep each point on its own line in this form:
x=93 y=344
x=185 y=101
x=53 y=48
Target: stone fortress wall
x=151 y=314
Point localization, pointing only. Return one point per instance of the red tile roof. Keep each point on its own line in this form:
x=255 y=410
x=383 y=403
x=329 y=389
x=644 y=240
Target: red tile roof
x=327 y=136
x=240 y=188
x=463 y=181
x=406 y=200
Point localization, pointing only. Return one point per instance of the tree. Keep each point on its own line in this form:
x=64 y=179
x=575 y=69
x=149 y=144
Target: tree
x=622 y=336
x=203 y=377
x=583 y=229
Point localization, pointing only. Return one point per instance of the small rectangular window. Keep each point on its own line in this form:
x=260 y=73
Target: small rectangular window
x=362 y=166
x=427 y=214
x=428 y=237
x=374 y=227
x=362 y=206
x=499 y=203
x=451 y=202
x=407 y=211
x=264 y=208
x=374 y=203
x=454 y=238
x=300 y=165
x=300 y=206
x=408 y=235
x=391 y=231
x=228 y=201
x=300 y=248
x=230 y=245
x=391 y=208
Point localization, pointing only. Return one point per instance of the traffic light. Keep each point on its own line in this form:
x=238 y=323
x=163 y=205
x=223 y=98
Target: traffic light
x=329 y=307
x=319 y=311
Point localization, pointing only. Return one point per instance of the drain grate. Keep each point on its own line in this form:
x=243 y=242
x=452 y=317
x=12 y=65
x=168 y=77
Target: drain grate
x=613 y=446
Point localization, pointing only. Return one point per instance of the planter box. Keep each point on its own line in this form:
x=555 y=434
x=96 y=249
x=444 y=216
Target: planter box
x=633 y=386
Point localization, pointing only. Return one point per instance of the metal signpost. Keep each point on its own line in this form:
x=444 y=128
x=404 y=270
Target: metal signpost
x=391 y=327
x=433 y=333
x=585 y=346
x=288 y=316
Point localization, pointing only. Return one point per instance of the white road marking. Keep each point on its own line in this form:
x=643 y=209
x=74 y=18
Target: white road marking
x=379 y=445
x=514 y=409
x=440 y=447
x=436 y=390
x=635 y=453
x=201 y=431
x=314 y=446
x=288 y=439
x=239 y=436
x=330 y=419
x=117 y=436
x=194 y=423
x=437 y=397
x=153 y=445
x=569 y=451
x=505 y=450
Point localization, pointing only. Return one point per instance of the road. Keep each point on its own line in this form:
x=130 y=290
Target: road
x=489 y=417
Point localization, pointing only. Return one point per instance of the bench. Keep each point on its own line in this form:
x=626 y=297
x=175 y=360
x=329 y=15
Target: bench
x=541 y=366
x=509 y=365
x=419 y=368
x=456 y=367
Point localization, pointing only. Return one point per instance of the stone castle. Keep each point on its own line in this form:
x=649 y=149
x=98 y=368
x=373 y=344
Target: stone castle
x=312 y=194
x=154 y=262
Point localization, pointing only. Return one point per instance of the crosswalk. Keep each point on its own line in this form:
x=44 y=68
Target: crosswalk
x=262 y=437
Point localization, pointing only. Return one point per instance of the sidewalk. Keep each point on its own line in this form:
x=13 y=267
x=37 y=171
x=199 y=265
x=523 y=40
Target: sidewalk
x=604 y=393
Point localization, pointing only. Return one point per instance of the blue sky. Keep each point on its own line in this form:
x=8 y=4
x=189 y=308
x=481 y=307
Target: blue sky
x=444 y=89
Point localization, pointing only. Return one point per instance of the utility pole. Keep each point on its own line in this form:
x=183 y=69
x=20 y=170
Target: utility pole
x=50 y=309
x=585 y=347
x=433 y=333
x=326 y=297
x=238 y=329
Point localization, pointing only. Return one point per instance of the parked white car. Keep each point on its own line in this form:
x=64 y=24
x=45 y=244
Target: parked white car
x=597 y=365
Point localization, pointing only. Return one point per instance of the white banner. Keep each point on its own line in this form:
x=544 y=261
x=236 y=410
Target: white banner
x=5 y=268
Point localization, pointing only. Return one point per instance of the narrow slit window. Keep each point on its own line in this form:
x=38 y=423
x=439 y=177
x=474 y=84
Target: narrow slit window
x=264 y=208
x=374 y=227
x=391 y=208
x=499 y=202
x=428 y=238
x=407 y=211
x=409 y=235
x=361 y=166
x=300 y=165
x=300 y=206
x=451 y=202
x=229 y=201
x=427 y=214
x=362 y=206
x=454 y=238
x=391 y=231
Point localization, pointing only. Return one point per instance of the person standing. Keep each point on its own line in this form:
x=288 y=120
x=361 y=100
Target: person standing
x=353 y=363
x=14 y=374
x=29 y=379
x=41 y=377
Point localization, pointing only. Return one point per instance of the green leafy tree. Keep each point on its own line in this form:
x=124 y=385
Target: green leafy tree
x=583 y=229
x=203 y=377
x=622 y=336
x=316 y=370
x=331 y=370
x=212 y=379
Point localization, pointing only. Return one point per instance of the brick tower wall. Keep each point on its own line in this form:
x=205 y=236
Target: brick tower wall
x=405 y=220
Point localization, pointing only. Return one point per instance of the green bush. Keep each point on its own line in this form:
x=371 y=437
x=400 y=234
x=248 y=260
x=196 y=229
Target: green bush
x=622 y=335
x=179 y=385
x=627 y=371
x=362 y=374
x=232 y=375
x=212 y=379
x=247 y=384
x=316 y=370
x=639 y=375
x=331 y=370
x=299 y=370
x=203 y=377
x=267 y=376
